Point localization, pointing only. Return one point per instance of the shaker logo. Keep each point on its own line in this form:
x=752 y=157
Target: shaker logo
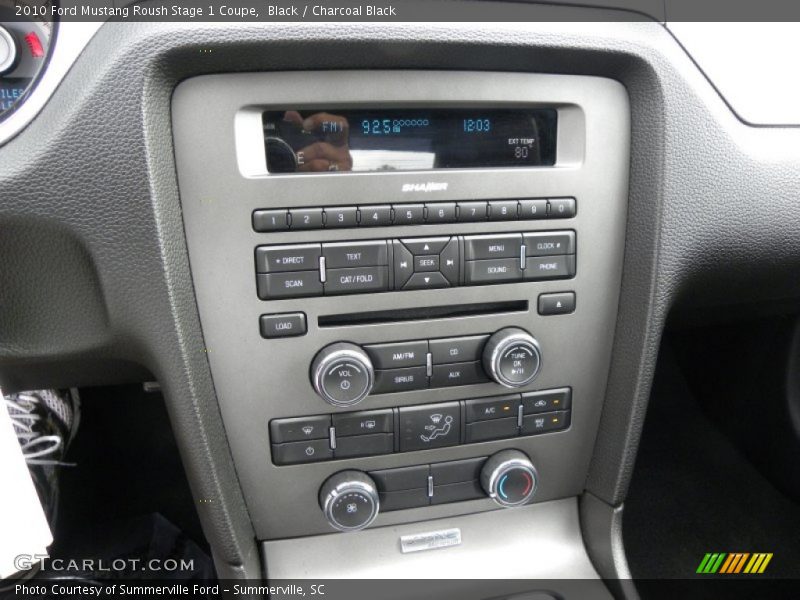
x=431 y=186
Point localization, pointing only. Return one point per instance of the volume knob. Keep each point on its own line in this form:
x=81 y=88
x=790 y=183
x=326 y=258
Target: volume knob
x=512 y=357
x=342 y=374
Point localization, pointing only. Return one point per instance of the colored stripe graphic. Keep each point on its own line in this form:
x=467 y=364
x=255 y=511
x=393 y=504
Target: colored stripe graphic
x=734 y=563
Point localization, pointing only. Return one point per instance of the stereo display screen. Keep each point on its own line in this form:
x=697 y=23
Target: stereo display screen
x=325 y=141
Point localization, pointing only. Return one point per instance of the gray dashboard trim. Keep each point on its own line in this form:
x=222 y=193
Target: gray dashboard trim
x=713 y=217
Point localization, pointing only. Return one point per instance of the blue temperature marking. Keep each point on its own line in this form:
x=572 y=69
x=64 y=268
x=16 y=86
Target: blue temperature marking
x=500 y=487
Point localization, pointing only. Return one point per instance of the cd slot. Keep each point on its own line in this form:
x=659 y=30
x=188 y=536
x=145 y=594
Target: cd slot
x=423 y=313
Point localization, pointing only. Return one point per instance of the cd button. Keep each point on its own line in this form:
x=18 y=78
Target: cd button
x=493 y=271
x=355 y=254
x=480 y=247
x=460 y=349
x=356 y=280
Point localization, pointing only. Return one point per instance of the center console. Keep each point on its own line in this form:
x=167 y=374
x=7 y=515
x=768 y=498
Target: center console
x=407 y=283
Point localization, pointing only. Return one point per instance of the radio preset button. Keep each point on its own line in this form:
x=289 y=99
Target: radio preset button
x=561 y=208
x=459 y=349
x=355 y=254
x=300 y=428
x=356 y=280
x=409 y=214
x=502 y=210
x=288 y=285
x=549 y=267
x=440 y=212
x=533 y=209
x=549 y=243
x=373 y=216
x=480 y=247
x=270 y=220
x=398 y=355
x=447 y=375
x=341 y=216
x=298 y=257
x=283 y=325
x=306 y=218
x=472 y=211
x=493 y=271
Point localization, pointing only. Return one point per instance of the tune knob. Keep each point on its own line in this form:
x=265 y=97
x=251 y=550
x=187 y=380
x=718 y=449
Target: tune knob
x=342 y=374
x=512 y=357
x=509 y=478
x=349 y=500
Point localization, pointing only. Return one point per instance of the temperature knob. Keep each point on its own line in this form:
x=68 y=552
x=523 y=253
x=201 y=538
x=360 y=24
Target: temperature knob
x=349 y=500
x=512 y=357
x=342 y=374
x=509 y=478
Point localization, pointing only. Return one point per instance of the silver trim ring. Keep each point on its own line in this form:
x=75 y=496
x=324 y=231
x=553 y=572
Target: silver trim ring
x=11 y=57
x=347 y=487
x=503 y=468
x=343 y=354
x=516 y=338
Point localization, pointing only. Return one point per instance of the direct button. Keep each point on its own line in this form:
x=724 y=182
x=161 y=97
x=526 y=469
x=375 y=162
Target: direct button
x=299 y=257
x=300 y=428
x=355 y=254
x=479 y=247
x=285 y=325
x=357 y=280
x=397 y=355
x=360 y=423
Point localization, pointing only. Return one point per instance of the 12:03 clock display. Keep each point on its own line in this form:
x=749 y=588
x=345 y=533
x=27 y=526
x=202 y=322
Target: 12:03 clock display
x=336 y=140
